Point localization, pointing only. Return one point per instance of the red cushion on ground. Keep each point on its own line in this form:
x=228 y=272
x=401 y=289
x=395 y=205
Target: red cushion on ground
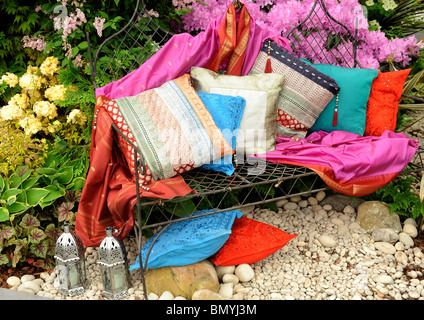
x=249 y=242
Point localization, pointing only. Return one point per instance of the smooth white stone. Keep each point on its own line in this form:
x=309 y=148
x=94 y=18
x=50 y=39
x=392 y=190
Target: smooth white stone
x=221 y=270
x=230 y=278
x=406 y=239
x=411 y=230
x=320 y=196
x=290 y=206
x=226 y=290
x=384 y=279
x=327 y=241
x=166 y=295
x=27 y=277
x=411 y=221
x=244 y=272
x=385 y=247
x=13 y=281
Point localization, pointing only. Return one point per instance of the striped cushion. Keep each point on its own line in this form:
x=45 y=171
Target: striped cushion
x=305 y=94
x=172 y=128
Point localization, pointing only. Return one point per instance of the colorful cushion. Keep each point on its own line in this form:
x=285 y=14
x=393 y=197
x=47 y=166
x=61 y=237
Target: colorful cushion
x=227 y=112
x=383 y=103
x=188 y=241
x=257 y=132
x=355 y=87
x=172 y=128
x=305 y=94
x=249 y=242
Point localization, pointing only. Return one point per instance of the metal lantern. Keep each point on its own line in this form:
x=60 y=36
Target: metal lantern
x=70 y=262
x=114 y=266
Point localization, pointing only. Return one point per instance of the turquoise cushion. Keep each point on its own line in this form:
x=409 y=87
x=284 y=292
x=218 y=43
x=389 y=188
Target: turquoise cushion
x=227 y=112
x=188 y=241
x=355 y=87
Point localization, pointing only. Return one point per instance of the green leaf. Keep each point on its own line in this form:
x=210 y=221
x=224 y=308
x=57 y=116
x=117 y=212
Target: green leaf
x=10 y=200
x=30 y=182
x=29 y=222
x=66 y=175
x=11 y=192
x=36 y=235
x=40 y=249
x=83 y=45
x=4 y=214
x=1 y=184
x=46 y=171
x=17 y=207
x=3 y=259
x=77 y=183
x=35 y=195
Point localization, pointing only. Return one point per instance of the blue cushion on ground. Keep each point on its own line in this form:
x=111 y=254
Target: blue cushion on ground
x=227 y=112
x=355 y=88
x=188 y=241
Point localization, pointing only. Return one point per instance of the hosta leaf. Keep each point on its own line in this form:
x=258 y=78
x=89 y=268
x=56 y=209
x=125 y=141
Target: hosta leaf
x=18 y=207
x=11 y=192
x=40 y=249
x=4 y=214
x=30 y=182
x=36 y=235
x=35 y=195
x=29 y=222
x=76 y=184
x=66 y=175
x=3 y=259
x=46 y=171
x=1 y=184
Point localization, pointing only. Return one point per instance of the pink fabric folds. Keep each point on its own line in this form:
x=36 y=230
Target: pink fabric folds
x=182 y=52
x=347 y=162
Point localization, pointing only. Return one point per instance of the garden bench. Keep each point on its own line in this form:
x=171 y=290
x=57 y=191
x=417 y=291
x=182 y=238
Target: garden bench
x=253 y=183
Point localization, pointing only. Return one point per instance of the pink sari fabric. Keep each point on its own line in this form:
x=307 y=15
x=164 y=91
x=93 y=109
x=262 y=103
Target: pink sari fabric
x=347 y=162
x=182 y=52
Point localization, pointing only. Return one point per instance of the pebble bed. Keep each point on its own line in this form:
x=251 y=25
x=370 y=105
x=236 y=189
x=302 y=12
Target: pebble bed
x=332 y=258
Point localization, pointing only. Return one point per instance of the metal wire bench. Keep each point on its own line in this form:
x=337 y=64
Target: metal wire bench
x=254 y=183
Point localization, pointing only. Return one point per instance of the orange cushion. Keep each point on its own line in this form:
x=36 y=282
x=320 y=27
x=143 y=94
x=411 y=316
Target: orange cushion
x=249 y=242
x=383 y=102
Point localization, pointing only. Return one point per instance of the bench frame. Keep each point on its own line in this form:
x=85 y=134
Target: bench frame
x=256 y=182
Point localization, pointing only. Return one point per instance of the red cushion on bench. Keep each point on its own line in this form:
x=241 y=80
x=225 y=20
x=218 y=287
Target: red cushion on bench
x=383 y=103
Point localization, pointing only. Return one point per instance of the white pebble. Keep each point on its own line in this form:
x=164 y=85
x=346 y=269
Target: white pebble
x=244 y=272
x=230 y=278
x=13 y=281
x=327 y=241
x=166 y=295
x=411 y=230
x=27 y=277
x=226 y=290
x=385 y=247
x=406 y=239
x=221 y=270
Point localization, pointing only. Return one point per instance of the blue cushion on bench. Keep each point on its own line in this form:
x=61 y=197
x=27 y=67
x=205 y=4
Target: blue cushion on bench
x=355 y=88
x=188 y=241
x=227 y=112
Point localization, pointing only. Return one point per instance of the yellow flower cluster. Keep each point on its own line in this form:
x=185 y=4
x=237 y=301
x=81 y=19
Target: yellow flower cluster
x=34 y=109
x=31 y=124
x=31 y=81
x=45 y=109
x=77 y=116
x=50 y=66
x=10 y=78
x=57 y=92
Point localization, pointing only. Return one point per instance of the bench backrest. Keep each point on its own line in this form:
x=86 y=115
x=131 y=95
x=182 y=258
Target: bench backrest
x=319 y=38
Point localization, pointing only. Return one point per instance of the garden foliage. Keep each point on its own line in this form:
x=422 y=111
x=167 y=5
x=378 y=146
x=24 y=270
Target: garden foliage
x=47 y=94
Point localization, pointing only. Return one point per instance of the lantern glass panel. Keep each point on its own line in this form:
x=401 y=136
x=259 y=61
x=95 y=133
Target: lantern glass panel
x=119 y=279
x=106 y=278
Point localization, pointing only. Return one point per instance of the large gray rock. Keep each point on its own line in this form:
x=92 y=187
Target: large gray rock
x=373 y=215
x=339 y=201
